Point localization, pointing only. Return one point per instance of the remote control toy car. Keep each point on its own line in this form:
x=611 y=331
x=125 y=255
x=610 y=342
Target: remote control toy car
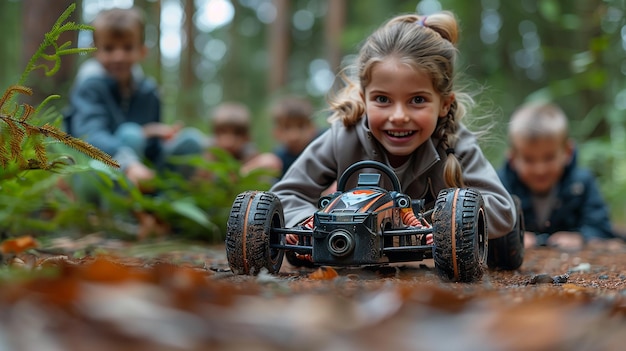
x=364 y=226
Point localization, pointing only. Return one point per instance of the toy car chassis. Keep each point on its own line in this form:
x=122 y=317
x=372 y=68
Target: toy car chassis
x=362 y=226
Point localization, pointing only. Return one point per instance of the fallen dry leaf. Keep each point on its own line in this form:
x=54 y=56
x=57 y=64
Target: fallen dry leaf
x=324 y=273
x=19 y=245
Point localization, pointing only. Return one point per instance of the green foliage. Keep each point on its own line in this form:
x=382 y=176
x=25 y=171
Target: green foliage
x=24 y=144
x=51 y=39
x=195 y=209
x=19 y=138
x=200 y=208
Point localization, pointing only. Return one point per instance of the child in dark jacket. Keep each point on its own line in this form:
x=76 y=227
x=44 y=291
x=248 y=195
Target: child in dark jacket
x=294 y=128
x=562 y=205
x=114 y=107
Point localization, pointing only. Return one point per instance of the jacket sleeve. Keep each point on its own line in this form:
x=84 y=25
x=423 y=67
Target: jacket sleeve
x=312 y=172
x=480 y=175
x=92 y=120
x=595 y=222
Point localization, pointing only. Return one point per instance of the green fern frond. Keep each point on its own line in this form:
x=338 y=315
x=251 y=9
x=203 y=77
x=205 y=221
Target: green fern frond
x=17 y=137
x=51 y=40
x=4 y=159
x=65 y=15
x=79 y=145
x=31 y=131
x=17 y=132
x=40 y=152
x=26 y=112
x=8 y=96
x=45 y=102
x=19 y=128
x=73 y=51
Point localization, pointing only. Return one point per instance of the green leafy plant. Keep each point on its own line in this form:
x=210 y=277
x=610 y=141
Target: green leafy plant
x=18 y=127
x=17 y=118
x=26 y=137
x=214 y=196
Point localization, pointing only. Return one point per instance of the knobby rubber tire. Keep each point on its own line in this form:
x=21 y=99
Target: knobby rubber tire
x=507 y=252
x=459 y=235
x=249 y=233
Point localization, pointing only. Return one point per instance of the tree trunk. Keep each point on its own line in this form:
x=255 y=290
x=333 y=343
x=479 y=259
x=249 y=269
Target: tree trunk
x=188 y=81
x=335 y=21
x=152 y=11
x=279 y=36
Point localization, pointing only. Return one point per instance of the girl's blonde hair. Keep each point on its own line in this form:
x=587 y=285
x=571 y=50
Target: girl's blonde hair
x=425 y=43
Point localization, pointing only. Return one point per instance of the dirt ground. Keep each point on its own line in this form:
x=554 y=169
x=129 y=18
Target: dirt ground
x=102 y=294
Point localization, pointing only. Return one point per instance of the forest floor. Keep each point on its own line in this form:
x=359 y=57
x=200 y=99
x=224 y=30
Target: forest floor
x=102 y=294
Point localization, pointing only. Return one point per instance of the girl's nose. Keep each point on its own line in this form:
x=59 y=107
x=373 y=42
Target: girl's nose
x=399 y=115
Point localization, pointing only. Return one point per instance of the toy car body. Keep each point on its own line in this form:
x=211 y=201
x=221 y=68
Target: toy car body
x=362 y=226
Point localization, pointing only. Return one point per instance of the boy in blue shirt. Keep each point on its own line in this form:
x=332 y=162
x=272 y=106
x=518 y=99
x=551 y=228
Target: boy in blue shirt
x=116 y=108
x=561 y=203
x=294 y=128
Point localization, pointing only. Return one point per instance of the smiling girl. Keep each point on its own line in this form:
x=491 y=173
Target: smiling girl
x=401 y=108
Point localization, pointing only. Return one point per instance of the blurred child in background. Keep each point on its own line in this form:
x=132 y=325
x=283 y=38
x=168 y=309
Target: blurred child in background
x=116 y=108
x=230 y=124
x=294 y=128
x=561 y=202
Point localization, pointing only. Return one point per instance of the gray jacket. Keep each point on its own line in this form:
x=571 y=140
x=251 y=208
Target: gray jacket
x=328 y=156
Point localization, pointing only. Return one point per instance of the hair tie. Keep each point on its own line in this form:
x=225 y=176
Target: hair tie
x=422 y=22
x=449 y=151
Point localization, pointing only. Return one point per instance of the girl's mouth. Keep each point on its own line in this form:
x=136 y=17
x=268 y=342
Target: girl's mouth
x=400 y=134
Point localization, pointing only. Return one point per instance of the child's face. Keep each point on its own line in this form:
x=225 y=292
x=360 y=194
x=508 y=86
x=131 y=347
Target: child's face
x=295 y=133
x=402 y=108
x=540 y=162
x=231 y=139
x=118 y=52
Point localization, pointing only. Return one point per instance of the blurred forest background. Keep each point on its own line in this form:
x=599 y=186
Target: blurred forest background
x=204 y=52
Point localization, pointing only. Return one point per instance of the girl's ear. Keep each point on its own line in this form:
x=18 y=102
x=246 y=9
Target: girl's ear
x=445 y=105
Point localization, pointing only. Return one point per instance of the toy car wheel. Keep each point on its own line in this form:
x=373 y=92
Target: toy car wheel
x=507 y=252
x=249 y=233
x=459 y=235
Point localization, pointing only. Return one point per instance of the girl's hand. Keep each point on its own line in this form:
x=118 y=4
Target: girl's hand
x=291 y=239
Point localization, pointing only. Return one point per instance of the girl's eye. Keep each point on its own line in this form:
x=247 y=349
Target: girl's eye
x=418 y=100
x=381 y=99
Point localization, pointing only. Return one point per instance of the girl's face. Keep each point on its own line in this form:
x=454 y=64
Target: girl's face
x=402 y=108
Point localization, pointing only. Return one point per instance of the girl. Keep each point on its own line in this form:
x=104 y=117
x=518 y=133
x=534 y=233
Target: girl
x=401 y=110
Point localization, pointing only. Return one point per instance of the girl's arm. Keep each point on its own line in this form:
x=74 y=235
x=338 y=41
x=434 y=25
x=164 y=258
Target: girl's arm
x=479 y=174
x=311 y=174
